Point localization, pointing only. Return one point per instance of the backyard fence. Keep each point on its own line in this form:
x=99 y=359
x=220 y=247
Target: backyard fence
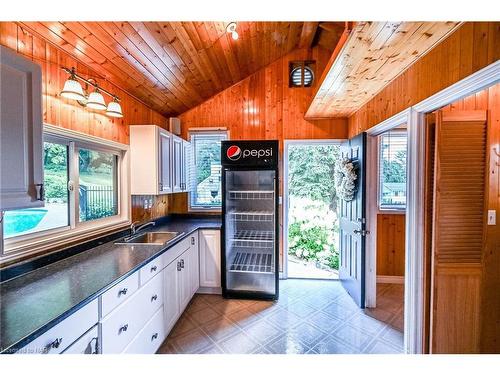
x=96 y=202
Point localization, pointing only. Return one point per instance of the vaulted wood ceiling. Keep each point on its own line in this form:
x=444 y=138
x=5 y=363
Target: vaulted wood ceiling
x=365 y=61
x=173 y=66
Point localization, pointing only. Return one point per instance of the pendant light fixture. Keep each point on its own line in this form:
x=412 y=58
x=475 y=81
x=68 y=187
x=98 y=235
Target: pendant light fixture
x=114 y=109
x=96 y=100
x=231 y=28
x=72 y=88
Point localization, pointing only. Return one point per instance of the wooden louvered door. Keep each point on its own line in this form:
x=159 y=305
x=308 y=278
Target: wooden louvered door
x=458 y=230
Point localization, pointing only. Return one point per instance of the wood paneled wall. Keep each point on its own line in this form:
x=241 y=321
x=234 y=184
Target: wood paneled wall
x=489 y=270
x=472 y=47
x=66 y=113
x=391 y=244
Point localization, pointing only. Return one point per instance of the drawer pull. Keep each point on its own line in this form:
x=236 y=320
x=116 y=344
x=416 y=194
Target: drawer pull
x=192 y=240
x=123 y=328
x=122 y=291
x=182 y=263
x=179 y=266
x=154 y=298
x=56 y=343
x=154 y=268
x=154 y=337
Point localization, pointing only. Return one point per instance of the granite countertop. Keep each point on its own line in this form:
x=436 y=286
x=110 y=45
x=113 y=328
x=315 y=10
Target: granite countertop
x=33 y=303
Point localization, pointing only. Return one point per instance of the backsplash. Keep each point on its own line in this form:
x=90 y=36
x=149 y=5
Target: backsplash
x=150 y=207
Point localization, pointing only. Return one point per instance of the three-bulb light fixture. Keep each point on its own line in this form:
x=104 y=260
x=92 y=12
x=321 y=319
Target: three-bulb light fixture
x=231 y=29
x=94 y=100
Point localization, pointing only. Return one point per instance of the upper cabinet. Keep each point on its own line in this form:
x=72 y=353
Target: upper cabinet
x=21 y=148
x=150 y=160
x=158 y=161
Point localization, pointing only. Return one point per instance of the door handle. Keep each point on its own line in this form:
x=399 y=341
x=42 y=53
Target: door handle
x=362 y=232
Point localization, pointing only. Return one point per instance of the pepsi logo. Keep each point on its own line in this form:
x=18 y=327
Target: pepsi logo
x=233 y=153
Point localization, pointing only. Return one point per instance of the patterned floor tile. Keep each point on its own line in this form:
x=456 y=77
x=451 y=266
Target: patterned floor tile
x=262 y=331
x=240 y=343
x=393 y=336
x=300 y=309
x=220 y=328
x=331 y=345
x=287 y=344
x=283 y=319
x=307 y=333
x=183 y=325
x=192 y=342
x=325 y=322
x=339 y=311
x=353 y=336
x=244 y=317
x=380 y=347
x=204 y=315
x=366 y=323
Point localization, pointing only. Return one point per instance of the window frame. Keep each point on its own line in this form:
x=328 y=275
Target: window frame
x=201 y=131
x=45 y=240
x=385 y=208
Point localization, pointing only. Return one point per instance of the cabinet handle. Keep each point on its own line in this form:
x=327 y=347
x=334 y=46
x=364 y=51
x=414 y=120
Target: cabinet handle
x=182 y=263
x=154 y=268
x=154 y=298
x=123 y=328
x=154 y=337
x=40 y=192
x=56 y=343
x=179 y=266
x=122 y=291
x=192 y=240
x=161 y=186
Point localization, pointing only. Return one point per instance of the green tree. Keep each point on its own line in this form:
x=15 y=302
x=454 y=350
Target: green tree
x=395 y=170
x=311 y=173
x=207 y=153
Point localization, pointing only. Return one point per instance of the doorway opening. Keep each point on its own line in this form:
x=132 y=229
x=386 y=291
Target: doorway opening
x=311 y=225
x=386 y=200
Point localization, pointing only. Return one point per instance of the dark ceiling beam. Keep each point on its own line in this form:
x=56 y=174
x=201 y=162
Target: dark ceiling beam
x=308 y=32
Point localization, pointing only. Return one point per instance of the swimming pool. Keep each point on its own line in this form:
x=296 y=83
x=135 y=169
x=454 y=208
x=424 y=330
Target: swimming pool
x=19 y=221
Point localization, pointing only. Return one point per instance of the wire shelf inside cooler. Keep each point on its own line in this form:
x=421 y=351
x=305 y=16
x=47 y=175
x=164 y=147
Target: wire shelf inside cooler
x=260 y=216
x=254 y=262
x=255 y=239
x=251 y=194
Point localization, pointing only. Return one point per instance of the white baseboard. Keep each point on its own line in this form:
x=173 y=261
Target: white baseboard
x=390 y=279
x=208 y=290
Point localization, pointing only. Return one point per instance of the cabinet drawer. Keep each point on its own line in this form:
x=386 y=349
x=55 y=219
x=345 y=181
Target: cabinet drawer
x=59 y=337
x=87 y=344
x=122 y=325
x=171 y=254
x=150 y=338
x=151 y=269
x=119 y=293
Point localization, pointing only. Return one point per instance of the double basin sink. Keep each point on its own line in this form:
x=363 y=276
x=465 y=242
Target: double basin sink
x=150 y=238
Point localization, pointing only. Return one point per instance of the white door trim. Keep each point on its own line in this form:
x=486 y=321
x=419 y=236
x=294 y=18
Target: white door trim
x=415 y=119
x=287 y=143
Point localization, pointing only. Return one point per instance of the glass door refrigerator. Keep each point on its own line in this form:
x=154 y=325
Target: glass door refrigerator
x=250 y=219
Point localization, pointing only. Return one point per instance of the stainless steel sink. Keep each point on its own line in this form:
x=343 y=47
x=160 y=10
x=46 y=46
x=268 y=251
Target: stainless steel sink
x=150 y=238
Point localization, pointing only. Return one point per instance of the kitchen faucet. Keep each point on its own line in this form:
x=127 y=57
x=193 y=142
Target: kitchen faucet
x=134 y=230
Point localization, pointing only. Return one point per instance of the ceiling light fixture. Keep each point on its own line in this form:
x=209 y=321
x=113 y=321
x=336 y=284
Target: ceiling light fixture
x=95 y=100
x=114 y=109
x=72 y=88
x=231 y=28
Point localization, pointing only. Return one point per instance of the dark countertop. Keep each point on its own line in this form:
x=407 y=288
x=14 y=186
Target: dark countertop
x=33 y=303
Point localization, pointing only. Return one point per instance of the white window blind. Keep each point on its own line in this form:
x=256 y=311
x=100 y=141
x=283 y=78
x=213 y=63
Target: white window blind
x=205 y=170
x=392 y=169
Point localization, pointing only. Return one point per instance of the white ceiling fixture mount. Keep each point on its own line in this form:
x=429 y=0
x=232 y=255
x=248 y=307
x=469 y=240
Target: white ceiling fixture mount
x=95 y=100
x=231 y=29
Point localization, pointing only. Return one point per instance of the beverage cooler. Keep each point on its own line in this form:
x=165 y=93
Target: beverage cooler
x=250 y=233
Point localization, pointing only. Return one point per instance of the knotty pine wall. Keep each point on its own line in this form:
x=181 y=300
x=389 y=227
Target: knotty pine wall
x=68 y=114
x=391 y=244
x=489 y=99
x=472 y=47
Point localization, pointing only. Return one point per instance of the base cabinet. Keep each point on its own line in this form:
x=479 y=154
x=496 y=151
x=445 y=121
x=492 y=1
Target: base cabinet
x=210 y=259
x=171 y=295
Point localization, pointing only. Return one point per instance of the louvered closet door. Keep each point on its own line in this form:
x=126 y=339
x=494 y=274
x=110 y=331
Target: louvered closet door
x=458 y=230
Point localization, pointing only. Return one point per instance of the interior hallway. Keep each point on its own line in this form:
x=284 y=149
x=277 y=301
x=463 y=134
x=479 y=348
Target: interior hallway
x=311 y=316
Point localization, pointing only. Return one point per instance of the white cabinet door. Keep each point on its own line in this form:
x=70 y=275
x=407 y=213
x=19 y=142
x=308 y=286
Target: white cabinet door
x=185 y=279
x=186 y=163
x=176 y=163
x=194 y=264
x=21 y=169
x=165 y=168
x=209 y=245
x=171 y=306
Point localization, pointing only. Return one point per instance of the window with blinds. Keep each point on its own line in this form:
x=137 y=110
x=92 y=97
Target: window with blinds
x=205 y=170
x=392 y=170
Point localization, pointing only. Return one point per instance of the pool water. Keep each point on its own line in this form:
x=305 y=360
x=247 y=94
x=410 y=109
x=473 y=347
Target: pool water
x=19 y=221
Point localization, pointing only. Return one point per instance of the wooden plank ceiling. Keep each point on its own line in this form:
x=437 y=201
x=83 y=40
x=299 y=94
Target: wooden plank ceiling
x=373 y=55
x=173 y=66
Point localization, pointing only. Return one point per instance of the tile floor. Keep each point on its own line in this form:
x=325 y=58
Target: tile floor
x=311 y=316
